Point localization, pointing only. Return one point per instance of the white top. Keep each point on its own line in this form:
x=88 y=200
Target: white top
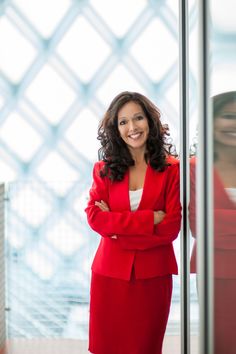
x=231 y=193
x=135 y=197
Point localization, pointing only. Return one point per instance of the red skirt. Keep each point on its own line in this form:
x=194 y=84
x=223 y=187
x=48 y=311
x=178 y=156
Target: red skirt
x=128 y=317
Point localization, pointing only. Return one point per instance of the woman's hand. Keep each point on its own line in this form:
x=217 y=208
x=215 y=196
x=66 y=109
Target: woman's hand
x=158 y=216
x=102 y=205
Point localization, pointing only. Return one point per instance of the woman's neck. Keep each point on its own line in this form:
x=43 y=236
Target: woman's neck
x=138 y=157
x=226 y=157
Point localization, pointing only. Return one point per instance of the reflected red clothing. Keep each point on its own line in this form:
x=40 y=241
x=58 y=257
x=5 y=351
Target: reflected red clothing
x=224 y=227
x=224 y=262
x=225 y=316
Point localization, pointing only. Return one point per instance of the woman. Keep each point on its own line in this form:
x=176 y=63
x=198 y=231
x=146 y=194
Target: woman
x=224 y=114
x=134 y=205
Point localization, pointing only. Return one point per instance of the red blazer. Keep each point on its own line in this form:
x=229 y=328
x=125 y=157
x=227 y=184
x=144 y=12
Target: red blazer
x=139 y=244
x=224 y=226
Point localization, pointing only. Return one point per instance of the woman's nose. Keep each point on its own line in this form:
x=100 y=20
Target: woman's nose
x=132 y=125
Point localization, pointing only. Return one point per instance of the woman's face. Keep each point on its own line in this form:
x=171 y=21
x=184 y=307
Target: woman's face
x=133 y=126
x=225 y=125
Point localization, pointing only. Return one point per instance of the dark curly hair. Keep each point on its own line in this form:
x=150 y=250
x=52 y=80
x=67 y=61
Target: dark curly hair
x=114 y=151
x=218 y=102
x=221 y=100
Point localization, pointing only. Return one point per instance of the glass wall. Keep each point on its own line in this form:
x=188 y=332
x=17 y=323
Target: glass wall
x=223 y=97
x=212 y=181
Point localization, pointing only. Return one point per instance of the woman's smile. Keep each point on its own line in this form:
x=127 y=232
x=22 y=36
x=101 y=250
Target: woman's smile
x=231 y=133
x=225 y=126
x=135 y=136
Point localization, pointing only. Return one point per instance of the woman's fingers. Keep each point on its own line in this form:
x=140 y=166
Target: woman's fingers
x=158 y=216
x=102 y=205
x=161 y=212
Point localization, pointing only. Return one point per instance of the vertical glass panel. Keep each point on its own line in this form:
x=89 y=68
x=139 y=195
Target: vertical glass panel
x=223 y=91
x=193 y=132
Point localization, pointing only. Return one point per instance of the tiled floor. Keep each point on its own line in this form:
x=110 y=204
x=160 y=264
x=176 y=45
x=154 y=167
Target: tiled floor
x=46 y=346
x=73 y=346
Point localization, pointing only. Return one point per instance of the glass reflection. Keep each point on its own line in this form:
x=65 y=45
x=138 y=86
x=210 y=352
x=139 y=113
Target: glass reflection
x=224 y=175
x=224 y=108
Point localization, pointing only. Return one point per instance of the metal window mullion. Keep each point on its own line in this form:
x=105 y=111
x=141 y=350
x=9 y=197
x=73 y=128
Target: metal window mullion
x=184 y=176
x=205 y=190
x=2 y=268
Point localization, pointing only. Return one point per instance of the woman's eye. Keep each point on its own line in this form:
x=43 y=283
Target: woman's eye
x=122 y=122
x=140 y=117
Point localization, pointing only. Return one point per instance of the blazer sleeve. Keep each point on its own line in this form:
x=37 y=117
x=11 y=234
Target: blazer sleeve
x=170 y=226
x=224 y=227
x=192 y=202
x=109 y=223
x=166 y=231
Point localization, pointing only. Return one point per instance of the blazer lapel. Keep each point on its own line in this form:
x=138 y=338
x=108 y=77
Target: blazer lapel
x=153 y=187
x=119 y=195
